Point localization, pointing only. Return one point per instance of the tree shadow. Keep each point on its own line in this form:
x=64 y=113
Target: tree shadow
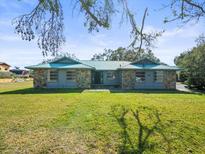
x=42 y=91
x=145 y=130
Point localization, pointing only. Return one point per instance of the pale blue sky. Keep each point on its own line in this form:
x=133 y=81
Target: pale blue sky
x=83 y=44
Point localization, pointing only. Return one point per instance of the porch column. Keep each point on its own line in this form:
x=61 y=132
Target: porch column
x=128 y=79
x=39 y=78
x=83 y=78
x=170 y=79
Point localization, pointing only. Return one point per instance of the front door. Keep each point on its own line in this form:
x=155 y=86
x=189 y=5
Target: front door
x=98 y=77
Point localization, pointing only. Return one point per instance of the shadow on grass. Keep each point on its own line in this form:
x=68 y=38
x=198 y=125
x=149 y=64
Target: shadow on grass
x=142 y=130
x=67 y=90
x=42 y=91
x=145 y=130
x=153 y=91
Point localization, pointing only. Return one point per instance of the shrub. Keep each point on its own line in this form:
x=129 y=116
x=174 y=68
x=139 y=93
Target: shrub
x=192 y=61
x=4 y=75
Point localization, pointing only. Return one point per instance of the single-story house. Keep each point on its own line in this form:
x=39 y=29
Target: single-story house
x=70 y=73
x=4 y=67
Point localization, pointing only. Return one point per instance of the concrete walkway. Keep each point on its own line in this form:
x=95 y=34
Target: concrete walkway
x=96 y=90
x=182 y=87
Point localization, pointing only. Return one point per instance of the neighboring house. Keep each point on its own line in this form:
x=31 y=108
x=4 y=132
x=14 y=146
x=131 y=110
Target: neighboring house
x=69 y=73
x=4 y=67
x=19 y=71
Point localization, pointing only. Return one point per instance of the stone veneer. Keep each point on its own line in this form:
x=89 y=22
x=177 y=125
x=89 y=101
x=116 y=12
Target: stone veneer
x=169 y=79
x=83 y=78
x=39 y=78
x=128 y=79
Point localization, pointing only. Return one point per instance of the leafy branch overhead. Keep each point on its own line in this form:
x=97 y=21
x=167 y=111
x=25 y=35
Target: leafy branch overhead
x=186 y=10
x=46 y=21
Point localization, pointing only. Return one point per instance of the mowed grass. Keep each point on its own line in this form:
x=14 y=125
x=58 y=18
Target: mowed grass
x=73 y=121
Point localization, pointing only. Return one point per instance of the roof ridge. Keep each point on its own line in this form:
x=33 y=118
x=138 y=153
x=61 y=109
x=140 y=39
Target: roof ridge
x=105 y=60
x=145 y=58
x=59 y=58
x=88 y=65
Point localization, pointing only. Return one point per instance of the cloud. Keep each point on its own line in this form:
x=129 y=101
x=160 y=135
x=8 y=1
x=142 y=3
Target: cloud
x=176 y=40
x=5 y=22
x=186 y=31
x=9 y=38
x=99 y=40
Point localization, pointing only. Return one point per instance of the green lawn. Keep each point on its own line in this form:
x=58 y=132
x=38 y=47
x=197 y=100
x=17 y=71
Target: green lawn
x=73 y=121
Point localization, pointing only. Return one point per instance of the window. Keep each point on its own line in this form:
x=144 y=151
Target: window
x=70 y=75
x=111 y=75
x=53 y=75
x=140 y=76
x=158 y=76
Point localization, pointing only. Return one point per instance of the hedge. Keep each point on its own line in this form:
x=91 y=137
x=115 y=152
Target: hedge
x=4 y=75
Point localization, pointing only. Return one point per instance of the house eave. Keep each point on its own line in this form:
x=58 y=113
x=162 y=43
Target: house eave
x=35 y=68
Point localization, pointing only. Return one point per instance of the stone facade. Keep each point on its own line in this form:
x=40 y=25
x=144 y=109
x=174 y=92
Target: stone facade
x=170 y=79
x=39 y=78
x=128 y=79
x=83 y=78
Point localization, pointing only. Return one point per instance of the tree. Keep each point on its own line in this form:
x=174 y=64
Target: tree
x=46 y=20
x=124 y=54
x=186 y=10
x=192 y=61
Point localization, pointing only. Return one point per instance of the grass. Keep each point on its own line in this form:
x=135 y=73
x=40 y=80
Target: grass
x=73 y=121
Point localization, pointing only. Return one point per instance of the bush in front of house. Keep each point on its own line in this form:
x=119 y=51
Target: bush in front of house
x=5 y=75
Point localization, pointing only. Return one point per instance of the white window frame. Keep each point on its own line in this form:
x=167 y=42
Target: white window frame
x=70 y=75
x=110 y=75
x=49 y=76
x=140 y=76
x=158 y=76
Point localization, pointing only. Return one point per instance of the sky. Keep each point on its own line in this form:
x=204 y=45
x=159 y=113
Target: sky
x=83 y=44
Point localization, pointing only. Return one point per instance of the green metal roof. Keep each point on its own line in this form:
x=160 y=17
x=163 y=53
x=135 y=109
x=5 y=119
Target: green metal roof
x=105 y=65
x=150 y=67
x=68 y=63
x=59 y=66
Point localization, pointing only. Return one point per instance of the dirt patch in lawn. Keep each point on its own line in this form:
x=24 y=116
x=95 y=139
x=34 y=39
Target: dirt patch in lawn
x=44 y=141
x=6 y=80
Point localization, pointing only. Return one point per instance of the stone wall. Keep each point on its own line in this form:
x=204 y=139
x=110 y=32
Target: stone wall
x=128 y=79
x=170 y=79
x=39 y=78
x=83 y=78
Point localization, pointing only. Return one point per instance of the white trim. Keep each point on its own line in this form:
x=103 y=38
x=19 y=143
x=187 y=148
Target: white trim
x=48 y=76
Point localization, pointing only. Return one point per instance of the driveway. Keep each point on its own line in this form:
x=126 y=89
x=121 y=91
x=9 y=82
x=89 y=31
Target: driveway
x=182 y=87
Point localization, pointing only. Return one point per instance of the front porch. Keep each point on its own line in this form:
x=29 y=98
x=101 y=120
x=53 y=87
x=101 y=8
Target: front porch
x=105 y=79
